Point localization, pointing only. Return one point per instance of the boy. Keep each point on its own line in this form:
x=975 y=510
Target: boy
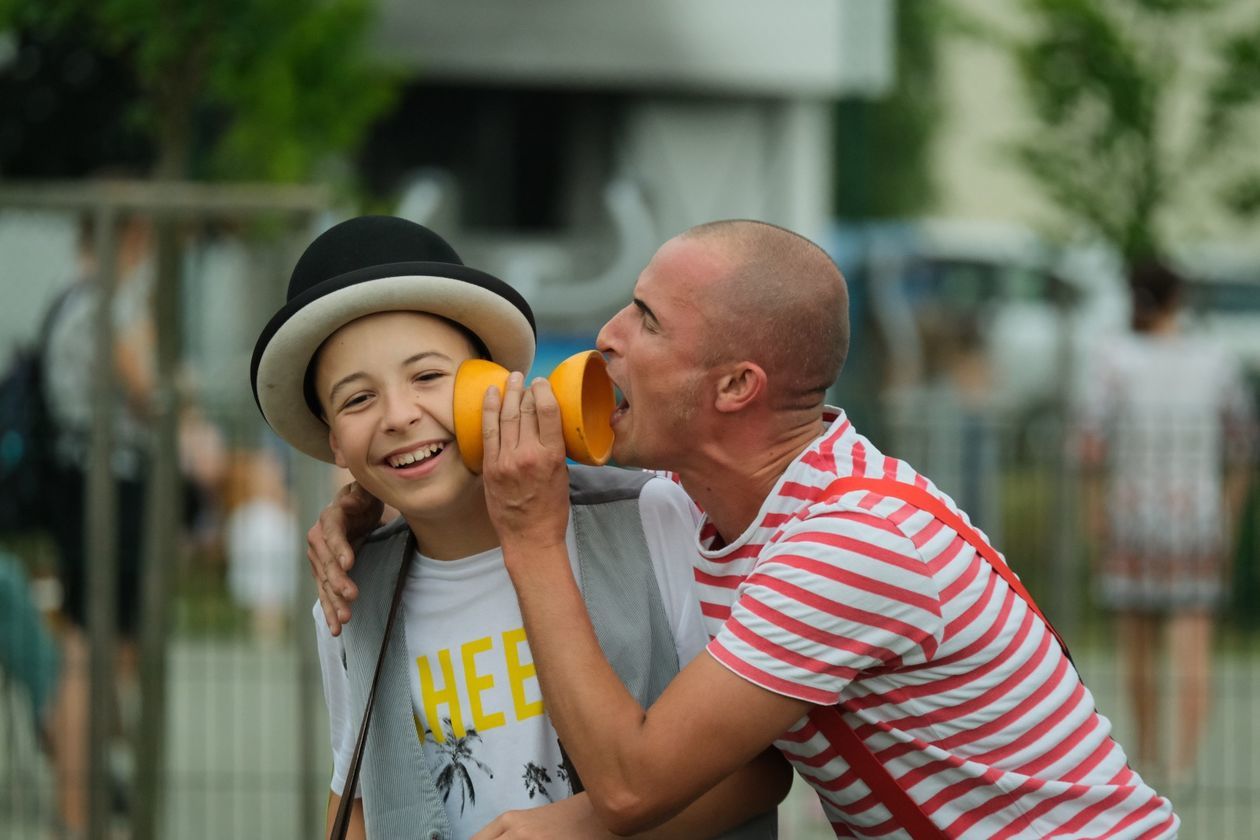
x=357 y=369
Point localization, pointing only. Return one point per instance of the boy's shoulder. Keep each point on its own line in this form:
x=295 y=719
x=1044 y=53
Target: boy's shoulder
x=387 y=531
x=601 y=485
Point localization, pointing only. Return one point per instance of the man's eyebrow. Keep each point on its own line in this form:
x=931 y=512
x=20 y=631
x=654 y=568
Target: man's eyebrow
x=646 y=310
x=358 y=374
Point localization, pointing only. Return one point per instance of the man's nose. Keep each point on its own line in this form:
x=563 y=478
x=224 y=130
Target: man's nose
x=606 y=340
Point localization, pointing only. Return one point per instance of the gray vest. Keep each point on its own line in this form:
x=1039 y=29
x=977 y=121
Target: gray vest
x=619 y=586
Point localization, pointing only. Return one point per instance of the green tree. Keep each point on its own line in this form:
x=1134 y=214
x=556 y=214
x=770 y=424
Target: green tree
x=239 y=89
x=883 y=146
x=1101 y=78
x=1232 y=96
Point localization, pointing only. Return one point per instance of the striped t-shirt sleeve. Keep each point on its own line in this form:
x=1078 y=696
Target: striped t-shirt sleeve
x=832 y=596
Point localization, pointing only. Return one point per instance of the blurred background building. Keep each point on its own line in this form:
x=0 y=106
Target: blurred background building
x=983 y=172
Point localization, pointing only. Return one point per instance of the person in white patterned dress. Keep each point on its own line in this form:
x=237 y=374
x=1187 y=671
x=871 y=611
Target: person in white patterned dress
x=1166 y=433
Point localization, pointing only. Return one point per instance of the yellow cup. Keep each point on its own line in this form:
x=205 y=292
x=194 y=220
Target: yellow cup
x=582 y=388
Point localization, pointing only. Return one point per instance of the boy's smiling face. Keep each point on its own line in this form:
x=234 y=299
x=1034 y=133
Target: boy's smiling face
x=386 y=384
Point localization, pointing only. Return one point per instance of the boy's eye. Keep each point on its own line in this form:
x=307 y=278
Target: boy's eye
x=429 y=376
x=354 y=400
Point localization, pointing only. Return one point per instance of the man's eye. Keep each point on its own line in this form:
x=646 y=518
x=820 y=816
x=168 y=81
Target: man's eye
x=354 y=401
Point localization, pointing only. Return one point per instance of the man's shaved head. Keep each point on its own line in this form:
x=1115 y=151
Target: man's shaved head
x=784 y=305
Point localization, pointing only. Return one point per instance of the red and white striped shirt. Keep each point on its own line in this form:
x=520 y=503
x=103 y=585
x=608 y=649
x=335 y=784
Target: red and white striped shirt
x=877 y=611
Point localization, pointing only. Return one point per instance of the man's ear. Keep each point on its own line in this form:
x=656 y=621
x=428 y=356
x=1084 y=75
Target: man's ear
x=740 y=386
x=336 y=450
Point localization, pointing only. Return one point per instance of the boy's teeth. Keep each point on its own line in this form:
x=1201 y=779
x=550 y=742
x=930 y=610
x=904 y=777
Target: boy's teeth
x=415 y=455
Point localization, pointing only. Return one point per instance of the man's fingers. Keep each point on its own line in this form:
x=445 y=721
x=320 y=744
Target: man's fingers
x=496 y=828
x=510 y=413
x=351 y=506
x=490 y=424
x=352 y=496
x=334 y=549
x=326 y=603
x=336 y=612
x=330 y=617
x=529 y=419
x=340 y=583
x=550 y=430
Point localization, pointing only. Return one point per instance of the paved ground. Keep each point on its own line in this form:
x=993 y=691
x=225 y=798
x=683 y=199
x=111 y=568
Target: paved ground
x=248 y=755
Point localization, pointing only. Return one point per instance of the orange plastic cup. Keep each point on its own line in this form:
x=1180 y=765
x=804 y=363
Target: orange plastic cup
x=582 y=388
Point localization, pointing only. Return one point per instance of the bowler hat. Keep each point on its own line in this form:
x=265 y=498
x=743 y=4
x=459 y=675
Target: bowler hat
x=360 y=267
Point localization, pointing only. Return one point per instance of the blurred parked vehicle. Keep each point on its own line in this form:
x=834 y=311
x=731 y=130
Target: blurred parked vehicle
x=1033 y=311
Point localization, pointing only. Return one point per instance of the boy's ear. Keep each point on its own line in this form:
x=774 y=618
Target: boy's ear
x=336 y=450
x=740 y=387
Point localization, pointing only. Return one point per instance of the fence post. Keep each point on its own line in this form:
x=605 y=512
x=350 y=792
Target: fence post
x=101 y=551
x=1064 y=601
x=164 y=504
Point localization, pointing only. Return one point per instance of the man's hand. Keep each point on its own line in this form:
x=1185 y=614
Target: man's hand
x=572 y=817
x=526 y=480
x=350 y=516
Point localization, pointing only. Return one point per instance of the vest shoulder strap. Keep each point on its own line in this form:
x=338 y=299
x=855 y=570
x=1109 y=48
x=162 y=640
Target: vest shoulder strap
x=402 y=797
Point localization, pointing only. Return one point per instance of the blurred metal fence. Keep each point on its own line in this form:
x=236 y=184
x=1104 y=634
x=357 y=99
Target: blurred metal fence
x=1022 y=484
x=222 y=731
x=244 y=747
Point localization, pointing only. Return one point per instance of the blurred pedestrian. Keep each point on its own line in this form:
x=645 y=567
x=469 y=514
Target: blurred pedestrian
x=1167 y=435
x=70 y=374
x=261 y=540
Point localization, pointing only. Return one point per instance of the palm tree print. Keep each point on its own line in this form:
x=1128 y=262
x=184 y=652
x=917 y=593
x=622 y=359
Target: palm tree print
x=536 y=778
x=458 y=755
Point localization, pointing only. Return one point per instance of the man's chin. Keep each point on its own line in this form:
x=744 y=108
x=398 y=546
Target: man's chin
x=622 y=453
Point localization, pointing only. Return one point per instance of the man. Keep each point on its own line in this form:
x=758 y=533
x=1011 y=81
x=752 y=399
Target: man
x=833 y=613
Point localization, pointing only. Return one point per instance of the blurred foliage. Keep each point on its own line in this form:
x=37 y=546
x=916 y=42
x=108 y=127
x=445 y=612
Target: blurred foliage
x=64 y=110
x=241 y=89
x=883 y=146
x=1101 y=77
x=1236 y=92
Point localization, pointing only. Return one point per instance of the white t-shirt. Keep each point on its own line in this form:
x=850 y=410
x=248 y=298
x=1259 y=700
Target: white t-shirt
x=474 y=689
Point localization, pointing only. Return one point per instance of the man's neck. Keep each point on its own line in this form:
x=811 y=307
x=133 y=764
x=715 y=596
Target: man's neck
x=732 y=478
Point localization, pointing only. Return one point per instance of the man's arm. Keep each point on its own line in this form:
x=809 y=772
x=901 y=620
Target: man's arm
x=639 y=768
x=752 y=790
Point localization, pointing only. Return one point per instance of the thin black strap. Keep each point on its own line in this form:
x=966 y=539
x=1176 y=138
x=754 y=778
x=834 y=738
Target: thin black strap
x=342 y=823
